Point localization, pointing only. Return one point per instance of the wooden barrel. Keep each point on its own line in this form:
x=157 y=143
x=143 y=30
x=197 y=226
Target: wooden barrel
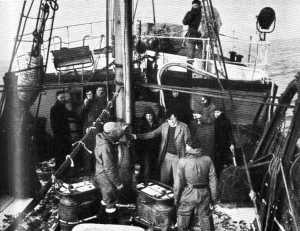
x=75 y=207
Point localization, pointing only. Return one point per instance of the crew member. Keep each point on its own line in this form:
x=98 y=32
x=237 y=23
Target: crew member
x=99 y=103
x=174 y=135
x=192 y=19
x=202 y=128
x=195 y=190
x=106 y=173
x=86 y=108
x=60 y=128
x=224 y=142
x=148 y=148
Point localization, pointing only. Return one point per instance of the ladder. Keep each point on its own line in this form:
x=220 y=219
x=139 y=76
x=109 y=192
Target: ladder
x=214 y=40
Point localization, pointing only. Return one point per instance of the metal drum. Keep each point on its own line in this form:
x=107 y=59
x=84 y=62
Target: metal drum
x=78 y=203
x=155 y=207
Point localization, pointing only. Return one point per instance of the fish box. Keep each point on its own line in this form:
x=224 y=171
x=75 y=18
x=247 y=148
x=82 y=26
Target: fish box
x=155 y=206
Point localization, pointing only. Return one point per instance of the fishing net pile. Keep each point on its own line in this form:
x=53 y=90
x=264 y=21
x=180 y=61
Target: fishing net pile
x=227 y=218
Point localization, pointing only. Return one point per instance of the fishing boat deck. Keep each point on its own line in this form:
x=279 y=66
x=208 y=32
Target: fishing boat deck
x=10 y=207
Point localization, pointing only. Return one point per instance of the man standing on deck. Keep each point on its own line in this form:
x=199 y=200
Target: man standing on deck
x=174 y=136
x=106 y=174
x=192 y=19
x=60 y=128
x=195 y=190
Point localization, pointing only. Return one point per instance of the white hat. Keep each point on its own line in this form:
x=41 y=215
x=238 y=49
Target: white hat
x=111 y=126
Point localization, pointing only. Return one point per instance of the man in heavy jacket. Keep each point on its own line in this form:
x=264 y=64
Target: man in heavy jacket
x=192 y=19
x=60 y=128
x=106 y=173
x=174 y=136
x=195 y=190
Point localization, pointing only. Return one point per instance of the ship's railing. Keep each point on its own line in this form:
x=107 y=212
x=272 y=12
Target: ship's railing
x=90 y=34
x=93 y=34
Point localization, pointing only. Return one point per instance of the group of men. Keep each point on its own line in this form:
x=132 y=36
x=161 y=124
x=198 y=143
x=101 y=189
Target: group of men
x=62 y=114
x=181 y=161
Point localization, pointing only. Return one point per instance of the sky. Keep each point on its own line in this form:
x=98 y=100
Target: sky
x=238 y=16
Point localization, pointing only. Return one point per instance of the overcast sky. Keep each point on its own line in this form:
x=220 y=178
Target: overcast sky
x=237 y=15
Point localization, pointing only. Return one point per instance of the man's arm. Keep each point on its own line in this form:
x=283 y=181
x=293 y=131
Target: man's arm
x=105 y=156
x=179 y=181
x=212 y=181
x=55 y=120
x=187 y=135
x=150 y=135
x=188 y=18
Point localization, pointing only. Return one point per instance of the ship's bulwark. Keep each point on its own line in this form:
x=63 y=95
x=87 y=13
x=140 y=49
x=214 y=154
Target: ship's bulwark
x=16 y=153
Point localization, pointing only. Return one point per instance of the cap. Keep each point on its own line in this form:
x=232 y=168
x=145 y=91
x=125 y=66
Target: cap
x=196 y=2
x=110 y=127
x=115 y=129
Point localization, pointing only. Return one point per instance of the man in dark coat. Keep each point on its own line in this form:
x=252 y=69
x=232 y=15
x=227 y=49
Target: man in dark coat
x=99 y=103
x=224 y=141
x=195 y=189
x=60 y=128
x=148 y=149
x=192 y=19
x=174 y=136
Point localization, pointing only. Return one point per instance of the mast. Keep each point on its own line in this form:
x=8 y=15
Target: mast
x=123 y=58
x=127 y=59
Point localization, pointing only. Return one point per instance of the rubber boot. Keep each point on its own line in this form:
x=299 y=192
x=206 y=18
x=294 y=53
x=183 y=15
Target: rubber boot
x=111 y=215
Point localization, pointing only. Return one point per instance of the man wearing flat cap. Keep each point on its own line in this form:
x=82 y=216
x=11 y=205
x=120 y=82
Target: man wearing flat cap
x=192 y=19
x=106 y=170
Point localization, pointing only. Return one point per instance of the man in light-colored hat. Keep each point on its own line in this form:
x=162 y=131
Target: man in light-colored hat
x=106 y=170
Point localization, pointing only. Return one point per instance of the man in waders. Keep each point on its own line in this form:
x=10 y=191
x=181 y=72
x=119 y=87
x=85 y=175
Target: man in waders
x=106 y=173
x=195 y=190
x=192 y=19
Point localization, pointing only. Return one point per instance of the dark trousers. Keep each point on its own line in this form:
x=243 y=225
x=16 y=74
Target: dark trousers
x=169 y=168
x=194 y=212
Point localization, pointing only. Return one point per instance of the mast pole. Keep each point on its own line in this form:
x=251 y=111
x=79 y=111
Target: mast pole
x=107 y=45
x=123 y=59
x=118 y=43
x=127 y=58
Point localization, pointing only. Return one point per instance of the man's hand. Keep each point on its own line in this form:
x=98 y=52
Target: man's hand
x=85 y=102
x=134 y=136
x=252 y=195
x=120 y=187
x=89 y=129
x=231 y=148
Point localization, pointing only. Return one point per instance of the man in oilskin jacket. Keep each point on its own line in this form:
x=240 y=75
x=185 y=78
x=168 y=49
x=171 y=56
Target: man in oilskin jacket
x=192 y=19
x=106 y=169
x=195 y=190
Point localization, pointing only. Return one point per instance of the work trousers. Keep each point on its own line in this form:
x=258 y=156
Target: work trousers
x=193 y=212
x=169 y=168
x=108 y=190
x=191 y=48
